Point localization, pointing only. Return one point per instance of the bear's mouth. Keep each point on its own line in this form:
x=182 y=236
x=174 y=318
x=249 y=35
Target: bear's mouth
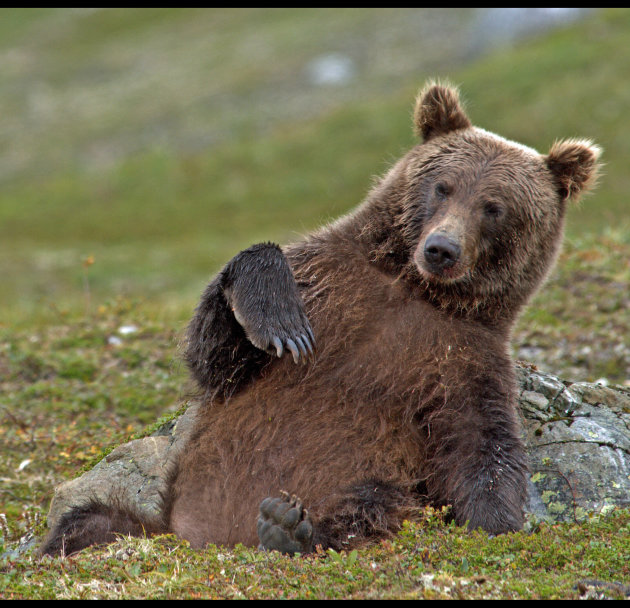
x=440 y=261
x=443 y=275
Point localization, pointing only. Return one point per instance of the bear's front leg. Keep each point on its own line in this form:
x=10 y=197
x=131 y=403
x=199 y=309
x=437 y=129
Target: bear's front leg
x=492 y=494
x=251 y=311
x=478 y=463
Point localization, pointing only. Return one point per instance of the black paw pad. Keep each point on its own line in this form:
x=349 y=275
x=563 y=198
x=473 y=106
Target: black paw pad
x=284 y=525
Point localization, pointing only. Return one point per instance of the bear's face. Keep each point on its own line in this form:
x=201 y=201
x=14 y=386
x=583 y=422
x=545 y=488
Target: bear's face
x=477 y=202
x=483 y=215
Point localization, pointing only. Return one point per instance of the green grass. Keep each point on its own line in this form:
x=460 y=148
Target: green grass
x=142 y=148
x=426 y=560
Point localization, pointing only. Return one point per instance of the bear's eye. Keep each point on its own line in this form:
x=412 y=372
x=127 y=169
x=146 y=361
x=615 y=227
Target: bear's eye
x=492 y=210
x=441 y=191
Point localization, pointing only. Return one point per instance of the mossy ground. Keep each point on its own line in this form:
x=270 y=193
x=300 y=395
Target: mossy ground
x=428 y=559
x=102 y=263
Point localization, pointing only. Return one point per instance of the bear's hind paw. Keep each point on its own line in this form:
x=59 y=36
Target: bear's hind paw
x=284 y=525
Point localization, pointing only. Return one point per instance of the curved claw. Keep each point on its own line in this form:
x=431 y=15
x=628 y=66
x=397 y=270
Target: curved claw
x=278 y=346
x=312 y=336
x=294 y=350
x=302 y=347
x=308 y=344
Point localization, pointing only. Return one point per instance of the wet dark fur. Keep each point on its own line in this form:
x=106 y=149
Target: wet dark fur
x=96 y=523
x=410 y=396
x=221 y=354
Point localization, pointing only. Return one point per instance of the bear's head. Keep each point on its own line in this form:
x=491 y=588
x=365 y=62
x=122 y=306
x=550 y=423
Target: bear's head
x=478 y=218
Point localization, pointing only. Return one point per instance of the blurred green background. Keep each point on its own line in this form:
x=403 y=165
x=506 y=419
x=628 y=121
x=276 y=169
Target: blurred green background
x=140 y=149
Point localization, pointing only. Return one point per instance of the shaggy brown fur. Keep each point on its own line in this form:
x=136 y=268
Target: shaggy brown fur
x=410 y=396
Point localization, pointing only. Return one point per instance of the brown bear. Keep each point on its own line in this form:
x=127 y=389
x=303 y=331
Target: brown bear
x=399 y=316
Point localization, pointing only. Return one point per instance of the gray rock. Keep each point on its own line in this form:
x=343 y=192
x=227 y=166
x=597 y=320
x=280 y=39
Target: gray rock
x=134 y=473
x=578 y=438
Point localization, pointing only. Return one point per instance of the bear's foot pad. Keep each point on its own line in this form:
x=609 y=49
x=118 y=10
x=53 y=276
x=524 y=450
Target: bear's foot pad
x=284 y=525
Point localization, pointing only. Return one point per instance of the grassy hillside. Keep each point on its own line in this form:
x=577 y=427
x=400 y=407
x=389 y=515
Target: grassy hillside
x=161 y=142
x=142 y=148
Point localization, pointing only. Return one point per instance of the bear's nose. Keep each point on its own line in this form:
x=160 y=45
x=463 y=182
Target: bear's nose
x=440 y=252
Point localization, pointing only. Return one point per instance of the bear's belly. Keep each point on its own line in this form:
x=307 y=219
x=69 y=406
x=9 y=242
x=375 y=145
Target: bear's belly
x=314 y=430
x=264 y=442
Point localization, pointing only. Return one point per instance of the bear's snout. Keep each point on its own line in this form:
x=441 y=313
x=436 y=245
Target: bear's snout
x=441 y=253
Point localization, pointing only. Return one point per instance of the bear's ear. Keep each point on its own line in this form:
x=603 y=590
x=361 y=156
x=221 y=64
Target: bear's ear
x=438 y=111
x=573 y=163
